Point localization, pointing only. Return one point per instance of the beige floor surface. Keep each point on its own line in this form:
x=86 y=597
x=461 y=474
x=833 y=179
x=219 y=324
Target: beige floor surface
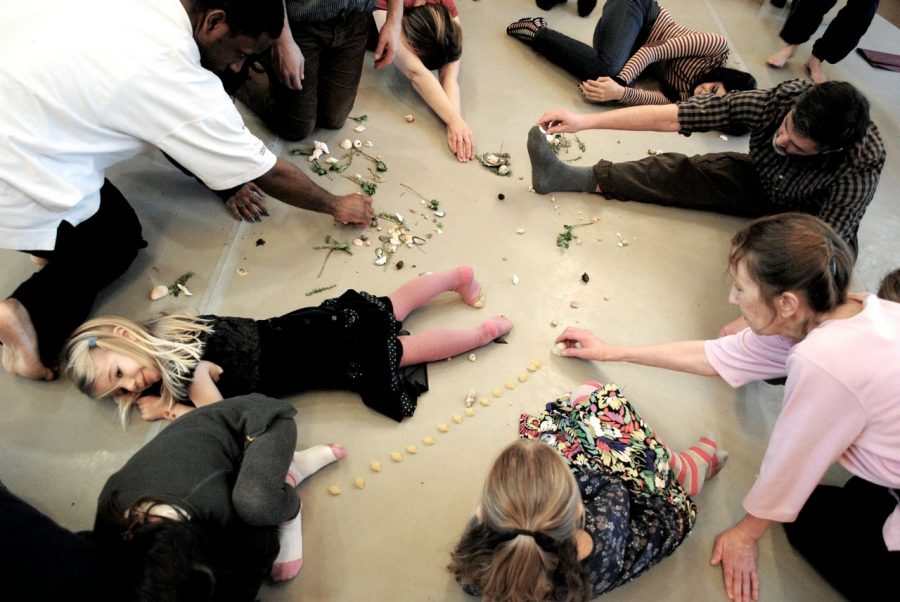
x=391 y=541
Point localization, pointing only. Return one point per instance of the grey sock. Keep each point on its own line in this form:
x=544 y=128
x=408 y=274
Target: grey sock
x=549 y=174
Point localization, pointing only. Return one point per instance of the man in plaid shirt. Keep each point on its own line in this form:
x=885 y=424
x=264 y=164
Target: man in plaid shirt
x=812 y=149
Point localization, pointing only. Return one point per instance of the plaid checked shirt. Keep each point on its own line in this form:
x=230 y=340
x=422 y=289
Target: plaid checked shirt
x=836 y=187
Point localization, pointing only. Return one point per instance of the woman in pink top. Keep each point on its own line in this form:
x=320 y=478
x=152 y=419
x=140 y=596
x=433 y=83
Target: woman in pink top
x=840 y=352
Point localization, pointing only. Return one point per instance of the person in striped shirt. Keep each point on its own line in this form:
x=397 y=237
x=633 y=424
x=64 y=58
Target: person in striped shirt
x=631 y=36
x=812 y=149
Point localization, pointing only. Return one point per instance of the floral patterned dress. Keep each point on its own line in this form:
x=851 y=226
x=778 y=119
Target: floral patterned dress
x=636 y=512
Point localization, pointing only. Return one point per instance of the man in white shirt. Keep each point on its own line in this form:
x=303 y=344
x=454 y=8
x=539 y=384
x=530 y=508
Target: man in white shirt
x=89 y=84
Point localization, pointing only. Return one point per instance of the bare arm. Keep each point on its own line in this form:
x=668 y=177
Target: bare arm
x=203 y=390
x=286 y=182
x=287 y=58
x=683 y=356
x=649 y=118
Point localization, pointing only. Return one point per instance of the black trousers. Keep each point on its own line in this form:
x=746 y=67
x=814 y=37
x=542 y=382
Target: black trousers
x=87 y=257
x=839 y=533
x=842 y=34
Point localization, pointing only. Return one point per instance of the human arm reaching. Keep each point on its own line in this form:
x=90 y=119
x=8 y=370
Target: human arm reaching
x=651 y=118
x=683 y=356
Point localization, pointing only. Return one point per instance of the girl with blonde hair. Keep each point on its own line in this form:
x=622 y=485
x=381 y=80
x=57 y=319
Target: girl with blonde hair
x=591 y=502
x=352 y=342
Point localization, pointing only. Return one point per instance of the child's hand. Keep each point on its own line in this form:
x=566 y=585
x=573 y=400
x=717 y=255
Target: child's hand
x=151 y=407
x=203 y=388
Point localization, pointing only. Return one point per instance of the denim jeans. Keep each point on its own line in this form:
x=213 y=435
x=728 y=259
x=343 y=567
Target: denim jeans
x=621 y=30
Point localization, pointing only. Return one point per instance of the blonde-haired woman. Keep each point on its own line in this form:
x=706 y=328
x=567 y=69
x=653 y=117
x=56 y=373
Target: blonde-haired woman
x=589 y=504
x=431 y=40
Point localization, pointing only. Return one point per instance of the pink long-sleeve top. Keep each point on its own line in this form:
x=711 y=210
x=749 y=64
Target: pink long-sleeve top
x=687 y=54
x=841 y=403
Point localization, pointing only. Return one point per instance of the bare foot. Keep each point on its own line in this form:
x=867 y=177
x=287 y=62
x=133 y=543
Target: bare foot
x=20 y=349
x=41 y=261
x=733 y=327
x=780 y=58
x=814 y=68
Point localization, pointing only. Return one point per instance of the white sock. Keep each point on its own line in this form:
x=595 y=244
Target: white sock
x=311 y=460
x=290 y=555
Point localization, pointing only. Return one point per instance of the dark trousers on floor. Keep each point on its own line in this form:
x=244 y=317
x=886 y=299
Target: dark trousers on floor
x=334 y=53
x=621 y=30
x=718 y=182
x=842 y=34
x=839 y=531
x=86 y=258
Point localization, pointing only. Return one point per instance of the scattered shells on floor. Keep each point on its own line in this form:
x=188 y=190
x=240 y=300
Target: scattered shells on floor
x=184 y=289
x=585 y=278
x=554 y=323
x=334 y=490
x=470 y=398
x=723 y=137
x=510 y=385
x=470 y=412
x=159 y=292
x=396 y=456
x=375 y=465
x=515 y=279
x=520 y=231
x=457 y=418
x=523 y=377
x=472 y=357
x=359 y=483
x=241 y=271
x=443 y=427
x=484 y=401
x=409 y=118
x=428 y=440
x=532 y=367
x=574 y=305
x=497 y=392
x=558 y=348
x=360 y=128
x=411 y=449
x=346 y=144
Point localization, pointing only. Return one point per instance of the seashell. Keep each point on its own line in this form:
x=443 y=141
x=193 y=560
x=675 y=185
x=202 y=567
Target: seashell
x=319 y=145
x=503 y=170
x=574 y=305
x=520 y=231
x=470 y=412
x=443 y=428
x=368 y=144
x=159 y=292
x=515 y=279
x=241 y=271
x=399 y=217
x=557 y=349
x=315 y=155
x=491 y=159
x=428 y=440
x=334 y=490
x=554 y=323
x=359 y=128
x=418 y=240
x=357 y=242
x=357 y=144
x=331 y=160
x=375 y=465
x=346 y=144
x=723 y=137
x=472 y=357
x=470 y=398
x=359 y=483
x=396 y=456
x=440 y=213
x=457 y=418
x=409 y=118
x=380 y=257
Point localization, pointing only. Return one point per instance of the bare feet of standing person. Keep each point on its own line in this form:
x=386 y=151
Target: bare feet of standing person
x=20 y=347
x=814 y=68
x=780 y=58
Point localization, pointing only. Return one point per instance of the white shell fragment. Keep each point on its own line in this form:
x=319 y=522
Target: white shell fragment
x=346 y=144
x=184 y=289
x=472 y=357
x=319 y=145
x=520 y=231
x=409 y=118
x=470 y=398
x=334 y=490
x=653 y=151
x=557 y=349
x=358 y=242
x=331 y=160
x=375 y=465
x=380 y=257
x=515 y=279
x=723 y=137
x=359 y=128
x=440 y=213
x=159 y=292
x=316 y=154
x=359 y=483
x=554 y=323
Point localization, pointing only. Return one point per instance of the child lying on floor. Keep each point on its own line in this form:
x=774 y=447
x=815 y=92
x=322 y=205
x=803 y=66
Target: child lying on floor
x=352 y=342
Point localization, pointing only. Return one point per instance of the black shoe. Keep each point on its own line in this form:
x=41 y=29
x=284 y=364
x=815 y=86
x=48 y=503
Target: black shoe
x=548 y=4
x=585 y=7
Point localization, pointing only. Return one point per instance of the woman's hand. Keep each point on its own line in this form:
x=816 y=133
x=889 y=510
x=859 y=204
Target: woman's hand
x=582 y=343
x=247 y=203
x=288 y=61
x=461 y=141
x=602 y=89
x=562 y=121
x=736 y=551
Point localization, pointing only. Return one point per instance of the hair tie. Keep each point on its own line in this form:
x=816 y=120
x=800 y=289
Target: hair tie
x=544 y=541
x=92 y=342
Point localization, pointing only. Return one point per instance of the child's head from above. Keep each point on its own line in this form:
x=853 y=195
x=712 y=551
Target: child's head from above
x=529 y=488
x=432 y=34
x=115 y=358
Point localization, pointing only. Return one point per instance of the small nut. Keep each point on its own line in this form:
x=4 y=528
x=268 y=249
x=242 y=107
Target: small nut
x=532 y=367
x=411 y=449
x=443 y=427
x=334 y=490
x=457 y=418
x=428 y=440
x=396 y=456
x=470 y=412
x=523 y=377
x=375 y=465
x=497 y=392
x=554 y=323
x=510 y=385
x=359 y=483
x=484 y=401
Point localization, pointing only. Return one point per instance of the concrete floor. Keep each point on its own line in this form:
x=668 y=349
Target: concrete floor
x=391 y=540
